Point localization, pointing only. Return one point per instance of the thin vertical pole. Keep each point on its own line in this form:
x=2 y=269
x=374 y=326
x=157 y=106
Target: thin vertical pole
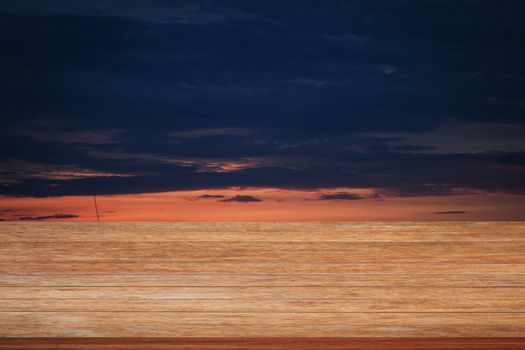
x=96 y=207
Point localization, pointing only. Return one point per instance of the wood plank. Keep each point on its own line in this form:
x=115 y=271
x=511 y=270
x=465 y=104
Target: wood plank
x=236 y=305
x=266 y=231
x=259 y=293
x=319 y=252
x=263 y=280
x=261 y=343
x=176 y=236
x=259 y=324
x=132 y=267
x=82 y=319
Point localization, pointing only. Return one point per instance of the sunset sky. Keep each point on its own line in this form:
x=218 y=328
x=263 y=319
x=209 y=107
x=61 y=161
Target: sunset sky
x=262 y=110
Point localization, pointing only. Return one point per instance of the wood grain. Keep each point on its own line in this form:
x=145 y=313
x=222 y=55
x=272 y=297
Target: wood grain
x=263 y=280
x=262 y=343
x=55 y=327
x=259 y=293
x=267 y=231
x=266 y=305
x=217 y=251
x=201 y=280
x=268 y=268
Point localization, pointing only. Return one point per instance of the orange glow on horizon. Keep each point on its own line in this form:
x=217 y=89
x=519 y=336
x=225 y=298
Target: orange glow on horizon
x=274 y=205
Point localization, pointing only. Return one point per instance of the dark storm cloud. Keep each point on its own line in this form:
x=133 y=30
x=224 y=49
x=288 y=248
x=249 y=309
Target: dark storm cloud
x=48 y=217
x=410 y=98
x=450 y=212
x=241 y=199
x=346 y=196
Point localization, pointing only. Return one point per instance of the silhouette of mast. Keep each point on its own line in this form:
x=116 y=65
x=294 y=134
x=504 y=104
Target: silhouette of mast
x=96 y=207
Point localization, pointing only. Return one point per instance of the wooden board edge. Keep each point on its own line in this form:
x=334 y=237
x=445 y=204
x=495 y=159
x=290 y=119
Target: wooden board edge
x=66 y=343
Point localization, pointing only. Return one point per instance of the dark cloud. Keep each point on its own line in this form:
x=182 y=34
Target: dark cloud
x=450 y=212
x=48 y=217
x=211 y=196
x=241 y=199
x=390 y=174
x=346 y=196
x=152 y=96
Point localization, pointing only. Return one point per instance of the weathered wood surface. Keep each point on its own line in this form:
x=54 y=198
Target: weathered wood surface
x=262 y=343
x=261 y=280
x=264 y=232
x=217 y=251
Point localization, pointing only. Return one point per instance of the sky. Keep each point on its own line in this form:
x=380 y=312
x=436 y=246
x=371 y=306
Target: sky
x=262 y=110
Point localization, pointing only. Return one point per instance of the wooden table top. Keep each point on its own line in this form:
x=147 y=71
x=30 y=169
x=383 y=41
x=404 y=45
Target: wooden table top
x=306 y=282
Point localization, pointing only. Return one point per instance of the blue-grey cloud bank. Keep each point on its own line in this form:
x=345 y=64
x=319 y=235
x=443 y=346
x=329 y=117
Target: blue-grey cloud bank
x=406 y=97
